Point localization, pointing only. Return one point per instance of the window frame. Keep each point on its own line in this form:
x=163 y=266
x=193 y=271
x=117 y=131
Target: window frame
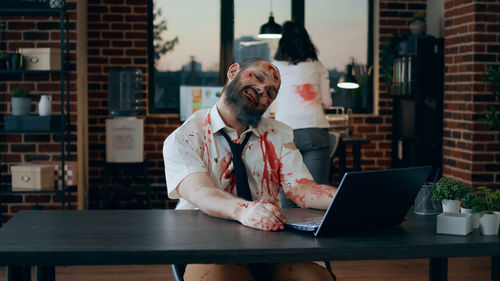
x=226 y=46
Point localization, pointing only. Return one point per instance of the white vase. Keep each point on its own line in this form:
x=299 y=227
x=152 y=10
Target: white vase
x=451 y=206
x=489 y=224
x=45 y=105
x=474 y=216
x=418 y=27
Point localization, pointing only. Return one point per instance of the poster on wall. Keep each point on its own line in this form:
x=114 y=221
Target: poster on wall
x=193 y=98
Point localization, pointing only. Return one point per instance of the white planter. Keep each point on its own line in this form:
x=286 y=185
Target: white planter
x=489 y=224
x=451 y=206
x=454 y=223
x=45 y=105
x=20 y=106
x=418 y=27
x=474 y=216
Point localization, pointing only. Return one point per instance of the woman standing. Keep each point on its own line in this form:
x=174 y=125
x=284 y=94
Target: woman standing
x=303 y=96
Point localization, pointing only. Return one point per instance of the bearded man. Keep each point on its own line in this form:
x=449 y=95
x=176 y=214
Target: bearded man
x=229 y=162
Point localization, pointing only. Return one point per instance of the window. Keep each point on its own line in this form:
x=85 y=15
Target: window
x=188 y=43
x=339 y=30
x=248 y=17
x=185 y=48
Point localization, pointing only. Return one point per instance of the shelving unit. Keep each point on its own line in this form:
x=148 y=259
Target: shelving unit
x=64 y=127
x=417 y=93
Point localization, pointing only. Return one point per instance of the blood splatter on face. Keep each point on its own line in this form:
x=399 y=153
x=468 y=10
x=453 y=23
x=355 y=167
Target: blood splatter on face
x=274 y=73
x=306 y=92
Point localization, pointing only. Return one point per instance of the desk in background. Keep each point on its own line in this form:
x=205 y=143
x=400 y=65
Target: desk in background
x=120 y=237
x=356 y=153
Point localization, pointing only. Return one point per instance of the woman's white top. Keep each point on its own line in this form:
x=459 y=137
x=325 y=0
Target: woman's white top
x=303 y=95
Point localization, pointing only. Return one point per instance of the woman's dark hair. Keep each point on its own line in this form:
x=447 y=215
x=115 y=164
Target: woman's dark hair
x=295 y=46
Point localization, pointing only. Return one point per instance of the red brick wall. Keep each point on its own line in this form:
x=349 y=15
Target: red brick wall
x=117 y=38
x=472 y=41
x=31 y=32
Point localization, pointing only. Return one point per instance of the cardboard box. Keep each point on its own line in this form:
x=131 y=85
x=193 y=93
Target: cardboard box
x=42 y=58
x=125 y=139
x=70 y=172
x=32 y=177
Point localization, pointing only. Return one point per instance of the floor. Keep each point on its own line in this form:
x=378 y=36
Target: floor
x=477 y=269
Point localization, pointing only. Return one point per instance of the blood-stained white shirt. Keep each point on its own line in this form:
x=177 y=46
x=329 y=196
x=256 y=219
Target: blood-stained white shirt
x=303 y=95
x=271 y=160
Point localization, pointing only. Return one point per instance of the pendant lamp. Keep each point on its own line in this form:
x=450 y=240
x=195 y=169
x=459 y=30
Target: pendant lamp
x=348 y=81
x=270 y=30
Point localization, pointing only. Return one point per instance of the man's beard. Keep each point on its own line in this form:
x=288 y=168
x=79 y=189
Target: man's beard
x=245 y=113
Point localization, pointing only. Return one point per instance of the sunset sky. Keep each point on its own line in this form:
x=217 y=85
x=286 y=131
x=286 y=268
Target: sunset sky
x=338 y=28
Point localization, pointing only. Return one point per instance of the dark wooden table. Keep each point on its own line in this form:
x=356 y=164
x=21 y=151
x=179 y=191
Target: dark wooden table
x=356 y=153
x=121 y=237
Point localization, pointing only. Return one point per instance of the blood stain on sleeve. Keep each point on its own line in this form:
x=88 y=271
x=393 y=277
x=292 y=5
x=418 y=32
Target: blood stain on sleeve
x=303 y=180
x=320 y=191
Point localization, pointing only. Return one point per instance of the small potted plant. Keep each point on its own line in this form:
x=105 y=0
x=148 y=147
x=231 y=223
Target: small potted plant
x=21 y=101
x=450 y=192
x=467 y=207
x=487 y=201
x=418 y=25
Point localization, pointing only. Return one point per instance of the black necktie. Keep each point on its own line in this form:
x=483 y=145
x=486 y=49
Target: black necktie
x=240 y=173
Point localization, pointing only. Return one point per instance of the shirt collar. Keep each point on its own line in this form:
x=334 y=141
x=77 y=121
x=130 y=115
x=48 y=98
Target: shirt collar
x=218 y=123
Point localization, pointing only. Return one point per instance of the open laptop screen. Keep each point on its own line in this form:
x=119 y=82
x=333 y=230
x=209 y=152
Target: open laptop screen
x=372 y=199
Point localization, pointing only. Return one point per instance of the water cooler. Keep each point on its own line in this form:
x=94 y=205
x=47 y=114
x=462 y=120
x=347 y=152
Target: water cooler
x=125 y=131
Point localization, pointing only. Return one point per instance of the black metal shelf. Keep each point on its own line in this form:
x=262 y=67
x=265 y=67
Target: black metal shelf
x=62 y=127
x=30 y=191
x=22 y=71
x=31 y=11
x=4 y=132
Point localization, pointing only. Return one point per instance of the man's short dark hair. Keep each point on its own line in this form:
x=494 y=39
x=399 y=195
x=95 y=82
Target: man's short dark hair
x=247 y=62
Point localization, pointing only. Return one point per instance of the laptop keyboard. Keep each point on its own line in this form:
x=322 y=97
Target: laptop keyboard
x=309 y=223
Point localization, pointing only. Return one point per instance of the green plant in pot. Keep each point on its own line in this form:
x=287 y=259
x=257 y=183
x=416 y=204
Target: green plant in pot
x=467 y=207
x=487 y=201
x=467 y=201
x=20 y=102
x=450 y=192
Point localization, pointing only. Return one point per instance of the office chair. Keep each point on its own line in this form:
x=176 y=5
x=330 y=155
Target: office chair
x=178 y=271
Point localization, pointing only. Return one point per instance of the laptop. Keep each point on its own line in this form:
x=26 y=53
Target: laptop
x=365 y=200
